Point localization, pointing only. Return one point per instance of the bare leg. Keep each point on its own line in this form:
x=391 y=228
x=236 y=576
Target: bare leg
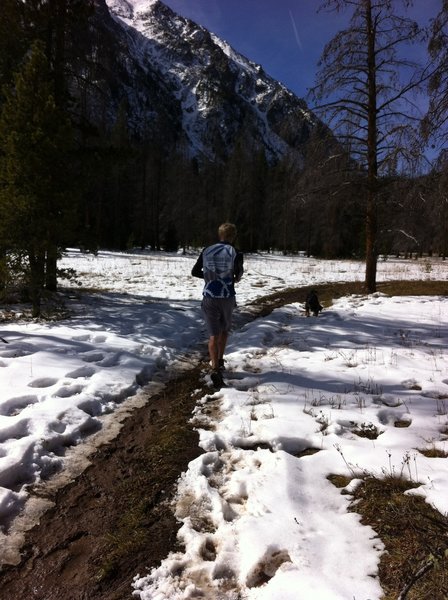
x=222 y=341
x=213 y=349
x=216 y=348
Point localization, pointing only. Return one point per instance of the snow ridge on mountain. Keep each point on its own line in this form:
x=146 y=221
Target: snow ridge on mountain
x=216 y=95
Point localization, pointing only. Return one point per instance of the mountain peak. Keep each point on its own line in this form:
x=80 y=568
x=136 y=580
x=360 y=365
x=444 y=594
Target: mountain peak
x=130 y=9
x=213 y=95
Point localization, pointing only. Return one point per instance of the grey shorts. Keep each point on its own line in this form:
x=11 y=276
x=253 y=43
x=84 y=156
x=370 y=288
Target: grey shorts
x=218 y=314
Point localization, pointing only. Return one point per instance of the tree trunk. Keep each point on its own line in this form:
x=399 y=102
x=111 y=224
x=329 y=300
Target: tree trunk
x=372 y=165
x=37 y=267
x=51 y=282
x=3 y=269
x=371 y=252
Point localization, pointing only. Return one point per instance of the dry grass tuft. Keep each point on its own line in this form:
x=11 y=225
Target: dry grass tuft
x=339 y=481
x=433 y=452
x=415 y=563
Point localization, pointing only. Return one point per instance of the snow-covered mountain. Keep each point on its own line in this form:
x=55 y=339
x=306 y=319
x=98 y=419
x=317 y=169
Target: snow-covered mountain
x=176 y=77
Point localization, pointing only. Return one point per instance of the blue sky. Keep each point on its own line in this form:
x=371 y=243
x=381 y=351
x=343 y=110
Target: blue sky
x=285 y=36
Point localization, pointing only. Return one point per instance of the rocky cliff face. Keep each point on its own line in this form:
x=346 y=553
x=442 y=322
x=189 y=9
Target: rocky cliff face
x=172 y=77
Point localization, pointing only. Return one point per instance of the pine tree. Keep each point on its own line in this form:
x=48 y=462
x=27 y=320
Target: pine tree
x=12 y=43
x=36 y=197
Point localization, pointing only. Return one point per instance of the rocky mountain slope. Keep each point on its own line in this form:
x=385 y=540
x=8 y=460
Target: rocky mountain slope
x=175 y=78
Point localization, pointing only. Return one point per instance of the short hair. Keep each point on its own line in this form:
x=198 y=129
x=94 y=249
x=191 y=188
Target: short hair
x=227 y=232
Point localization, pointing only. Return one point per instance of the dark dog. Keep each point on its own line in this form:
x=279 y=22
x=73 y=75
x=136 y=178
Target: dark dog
x=312 y=304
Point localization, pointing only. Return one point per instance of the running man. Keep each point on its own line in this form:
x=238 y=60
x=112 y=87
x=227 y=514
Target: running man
x=221 y=266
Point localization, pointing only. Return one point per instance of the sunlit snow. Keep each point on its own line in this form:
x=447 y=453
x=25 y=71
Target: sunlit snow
x=259 y=518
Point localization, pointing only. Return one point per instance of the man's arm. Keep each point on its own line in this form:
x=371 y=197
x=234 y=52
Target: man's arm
x=238 y=266
x=197 y=270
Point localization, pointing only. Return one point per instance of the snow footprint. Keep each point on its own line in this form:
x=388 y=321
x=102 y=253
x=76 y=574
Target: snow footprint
x=198 y=510
x=81 y=372
x=394 y=417
x=14 y=406
x=93 y=356
x=267 y=567
x=298 y=447
x=112 y=360
x=99 y=339
x=68 y=391
x=249 y=367
x=208 y=550
x=15 y=431
x=85 y=337
x=92 y=407
x=43 y=382
x=244 y=383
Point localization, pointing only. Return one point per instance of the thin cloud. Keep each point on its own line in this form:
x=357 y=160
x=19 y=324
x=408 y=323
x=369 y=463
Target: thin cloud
x=296 y=33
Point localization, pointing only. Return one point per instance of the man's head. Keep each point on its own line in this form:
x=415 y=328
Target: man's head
x=227 y=232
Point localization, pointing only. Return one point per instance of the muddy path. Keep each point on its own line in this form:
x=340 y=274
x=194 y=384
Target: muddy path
x=114 y=520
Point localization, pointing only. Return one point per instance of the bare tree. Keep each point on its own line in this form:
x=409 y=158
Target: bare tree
x=367 y=86
x=436 y=121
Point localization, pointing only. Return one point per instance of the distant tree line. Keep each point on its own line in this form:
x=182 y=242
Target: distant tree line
x=70 y=178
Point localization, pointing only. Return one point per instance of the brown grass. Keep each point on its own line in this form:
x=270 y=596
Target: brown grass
x=331 y=291
x=433 y=452
x=415 y=535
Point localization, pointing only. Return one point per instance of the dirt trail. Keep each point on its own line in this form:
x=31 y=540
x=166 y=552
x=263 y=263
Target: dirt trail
x=115 y=517
x=115 y=520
